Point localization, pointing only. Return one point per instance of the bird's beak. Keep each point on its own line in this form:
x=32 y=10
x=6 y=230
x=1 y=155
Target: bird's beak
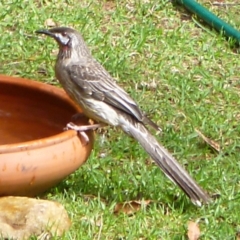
x=46 y=32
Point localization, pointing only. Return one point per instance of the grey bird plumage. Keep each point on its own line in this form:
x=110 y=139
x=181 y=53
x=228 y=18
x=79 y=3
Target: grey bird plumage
x=88 y=83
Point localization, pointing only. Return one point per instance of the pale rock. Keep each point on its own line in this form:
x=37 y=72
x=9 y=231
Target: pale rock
x=22 y=217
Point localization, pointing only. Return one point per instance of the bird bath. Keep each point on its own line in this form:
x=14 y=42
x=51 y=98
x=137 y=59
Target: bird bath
x=35 y=152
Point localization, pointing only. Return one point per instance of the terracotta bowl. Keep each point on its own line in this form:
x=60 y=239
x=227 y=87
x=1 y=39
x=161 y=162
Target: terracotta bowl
x=35 y=152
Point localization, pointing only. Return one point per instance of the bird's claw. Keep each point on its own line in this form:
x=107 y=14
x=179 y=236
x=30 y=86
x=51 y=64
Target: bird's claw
x=81 y=130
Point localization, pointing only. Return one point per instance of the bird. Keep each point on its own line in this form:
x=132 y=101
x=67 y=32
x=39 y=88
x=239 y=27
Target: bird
x=101 y=99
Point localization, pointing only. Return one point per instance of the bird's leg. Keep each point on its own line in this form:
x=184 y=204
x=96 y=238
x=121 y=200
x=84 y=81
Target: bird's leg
x=80 y=123
x=81 y=130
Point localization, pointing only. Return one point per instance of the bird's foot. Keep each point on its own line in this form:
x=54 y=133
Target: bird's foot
x=77 y=128
x=81 y=130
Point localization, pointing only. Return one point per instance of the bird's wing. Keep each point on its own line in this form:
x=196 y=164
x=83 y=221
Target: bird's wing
x=92 y=79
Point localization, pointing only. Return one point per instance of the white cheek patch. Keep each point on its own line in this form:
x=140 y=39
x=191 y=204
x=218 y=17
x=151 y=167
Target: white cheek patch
x=64 y=40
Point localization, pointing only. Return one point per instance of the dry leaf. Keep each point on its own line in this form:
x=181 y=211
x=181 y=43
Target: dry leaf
x=193 y=231
x=210 y=142
x=238 y=236
x=50 y=23
x=130 y=207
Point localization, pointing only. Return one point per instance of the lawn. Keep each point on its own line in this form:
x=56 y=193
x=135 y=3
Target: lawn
x=183 y=74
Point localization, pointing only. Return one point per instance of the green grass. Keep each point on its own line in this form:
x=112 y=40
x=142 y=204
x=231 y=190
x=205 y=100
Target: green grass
x=196 y=72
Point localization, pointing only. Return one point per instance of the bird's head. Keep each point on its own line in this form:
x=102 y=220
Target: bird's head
x=68 y=40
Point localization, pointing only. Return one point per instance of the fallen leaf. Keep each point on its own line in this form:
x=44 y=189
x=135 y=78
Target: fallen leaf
x=50 y=23
x=130 y=207
x=238 y=236
x=210 y=142
x=193 y=231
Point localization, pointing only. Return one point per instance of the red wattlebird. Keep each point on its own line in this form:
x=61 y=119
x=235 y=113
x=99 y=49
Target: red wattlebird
x=88 y=83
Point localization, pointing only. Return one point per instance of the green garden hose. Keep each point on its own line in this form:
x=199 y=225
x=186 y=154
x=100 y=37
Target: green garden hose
x=211 y=19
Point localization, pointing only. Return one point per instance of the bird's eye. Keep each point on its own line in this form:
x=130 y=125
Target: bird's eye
x=64 y=34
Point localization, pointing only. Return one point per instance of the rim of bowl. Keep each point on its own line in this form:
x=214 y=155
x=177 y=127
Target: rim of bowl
x=47 y=141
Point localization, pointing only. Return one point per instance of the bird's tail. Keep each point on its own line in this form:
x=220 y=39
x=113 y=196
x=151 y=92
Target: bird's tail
x=166 y=161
